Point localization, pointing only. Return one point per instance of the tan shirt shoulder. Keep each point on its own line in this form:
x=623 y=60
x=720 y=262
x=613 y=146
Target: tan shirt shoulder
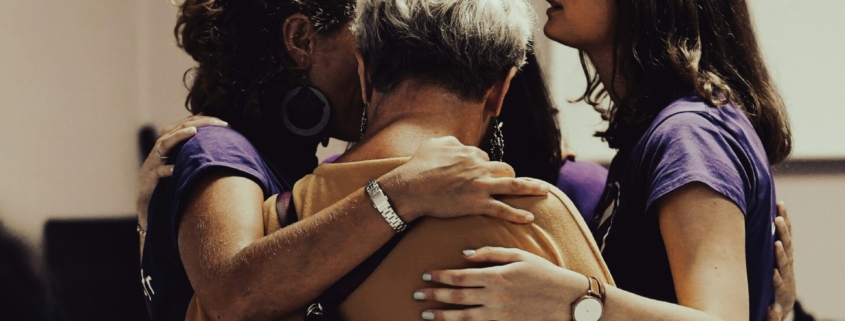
x=558 y=235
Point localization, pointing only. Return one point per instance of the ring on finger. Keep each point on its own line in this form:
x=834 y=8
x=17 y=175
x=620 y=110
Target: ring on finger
x=158 y=152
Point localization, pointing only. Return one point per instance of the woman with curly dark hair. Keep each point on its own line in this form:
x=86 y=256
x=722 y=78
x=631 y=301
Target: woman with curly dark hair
x=282 y=75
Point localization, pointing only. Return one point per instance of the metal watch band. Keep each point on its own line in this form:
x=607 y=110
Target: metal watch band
x=382 y=205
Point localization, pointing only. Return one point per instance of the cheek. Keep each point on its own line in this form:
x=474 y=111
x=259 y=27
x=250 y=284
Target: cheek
x=582 y=23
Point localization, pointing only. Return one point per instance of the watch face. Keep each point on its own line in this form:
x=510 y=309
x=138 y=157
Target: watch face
x=588 y=309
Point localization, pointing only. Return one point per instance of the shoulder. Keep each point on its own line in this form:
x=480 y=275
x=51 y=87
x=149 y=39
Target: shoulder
x=563 y=226
x=220 y=148
x=215 y=140
x=684 y=122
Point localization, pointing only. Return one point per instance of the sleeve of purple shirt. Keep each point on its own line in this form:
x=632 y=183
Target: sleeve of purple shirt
x=218 y=148
x=688 y=148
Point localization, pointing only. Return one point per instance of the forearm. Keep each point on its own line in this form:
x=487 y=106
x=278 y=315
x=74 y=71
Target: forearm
x=291 y=267
x=623 y=305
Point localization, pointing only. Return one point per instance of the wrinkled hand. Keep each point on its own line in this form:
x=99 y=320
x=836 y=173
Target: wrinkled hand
x=501 y=291
x=446 y=179
x=155 y=167
x=784 y=277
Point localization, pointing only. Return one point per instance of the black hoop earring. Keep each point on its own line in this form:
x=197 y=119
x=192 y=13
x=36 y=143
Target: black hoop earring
x=497 y=143
x=305 y=111
x=364 y=119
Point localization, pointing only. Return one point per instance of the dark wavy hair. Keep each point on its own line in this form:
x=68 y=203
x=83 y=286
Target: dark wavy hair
x=243 y=69
x=531 y=131
x=665 y=49
x=242 y=62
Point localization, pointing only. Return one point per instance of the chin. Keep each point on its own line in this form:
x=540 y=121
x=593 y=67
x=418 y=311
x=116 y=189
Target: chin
x=555 y=32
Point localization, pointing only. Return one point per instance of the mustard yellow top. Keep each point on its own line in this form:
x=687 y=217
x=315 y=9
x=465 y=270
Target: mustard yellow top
x=557 y=234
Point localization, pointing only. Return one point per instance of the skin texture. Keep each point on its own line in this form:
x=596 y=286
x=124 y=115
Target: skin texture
x=702 y=230
x=519 y=274
x=155 y=167
x=221 y=232
x=330 y=61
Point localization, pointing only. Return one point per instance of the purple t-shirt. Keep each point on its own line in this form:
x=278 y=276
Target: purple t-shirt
x=583 y=182
x=166 y=285
x=687 y=142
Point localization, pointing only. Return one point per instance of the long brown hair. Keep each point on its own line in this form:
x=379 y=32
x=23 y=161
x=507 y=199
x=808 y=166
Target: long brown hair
x=665 y=49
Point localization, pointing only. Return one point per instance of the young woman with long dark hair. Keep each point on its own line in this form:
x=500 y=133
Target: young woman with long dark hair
x=687 y=225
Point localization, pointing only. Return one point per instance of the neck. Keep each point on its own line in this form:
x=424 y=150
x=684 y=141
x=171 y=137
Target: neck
x=399 y=122
x=602 y=59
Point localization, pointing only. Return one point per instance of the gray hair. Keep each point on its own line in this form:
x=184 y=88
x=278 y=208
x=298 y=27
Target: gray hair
x=463 y=45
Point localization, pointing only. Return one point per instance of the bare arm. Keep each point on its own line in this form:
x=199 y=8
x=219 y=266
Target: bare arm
x=239 y=274
x=704 y=233
x=155 y=165
x=705 y=241
x=221 y=237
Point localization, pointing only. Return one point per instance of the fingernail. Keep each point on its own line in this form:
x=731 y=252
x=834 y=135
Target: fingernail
x=224 y=123
x=426 y=277
x=428 y=315
x=419 y=296
x=171 y=170
x=529 y=217
x=469 y=252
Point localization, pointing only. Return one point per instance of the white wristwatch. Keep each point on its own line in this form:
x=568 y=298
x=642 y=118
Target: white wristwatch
x=382 y=205
x=590 y=307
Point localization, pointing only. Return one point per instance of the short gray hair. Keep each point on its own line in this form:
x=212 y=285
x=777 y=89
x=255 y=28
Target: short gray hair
x=463 y=45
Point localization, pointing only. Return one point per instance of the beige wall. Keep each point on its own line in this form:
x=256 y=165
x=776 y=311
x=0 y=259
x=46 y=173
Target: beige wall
x=78 y=78
x=817 y=220
x=68 y=110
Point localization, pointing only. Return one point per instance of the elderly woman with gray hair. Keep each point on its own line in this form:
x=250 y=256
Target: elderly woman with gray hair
x=428 y=69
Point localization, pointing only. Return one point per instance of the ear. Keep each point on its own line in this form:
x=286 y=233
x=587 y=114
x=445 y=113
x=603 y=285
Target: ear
x=364 y=77
x=496 y=96
x=297 y=35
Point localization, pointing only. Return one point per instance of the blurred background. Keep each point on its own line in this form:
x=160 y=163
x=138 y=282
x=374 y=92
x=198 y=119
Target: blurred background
x=79 y=79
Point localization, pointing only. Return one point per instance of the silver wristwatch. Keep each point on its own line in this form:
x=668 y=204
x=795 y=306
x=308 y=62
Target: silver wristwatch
x=382 y=205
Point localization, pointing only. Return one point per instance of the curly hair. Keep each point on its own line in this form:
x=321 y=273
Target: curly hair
x=243 y=67
x=667 y=48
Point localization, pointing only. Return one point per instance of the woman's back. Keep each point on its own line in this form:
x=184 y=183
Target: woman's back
x=558 y=234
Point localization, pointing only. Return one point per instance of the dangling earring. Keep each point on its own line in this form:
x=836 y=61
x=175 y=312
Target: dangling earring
x=497 y=144
x=364 y=119
x=305 y=110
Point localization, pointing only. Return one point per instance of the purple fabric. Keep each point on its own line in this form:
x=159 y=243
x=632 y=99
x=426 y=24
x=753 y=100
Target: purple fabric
x=331 y=159
x=688 y=142
x=166 y=284
x=583 y=182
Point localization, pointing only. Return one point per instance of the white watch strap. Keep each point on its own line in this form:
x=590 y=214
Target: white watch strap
x=382 y=205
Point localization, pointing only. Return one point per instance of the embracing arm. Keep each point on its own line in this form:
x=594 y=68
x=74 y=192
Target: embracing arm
x=704 y=236
x=238 y=273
